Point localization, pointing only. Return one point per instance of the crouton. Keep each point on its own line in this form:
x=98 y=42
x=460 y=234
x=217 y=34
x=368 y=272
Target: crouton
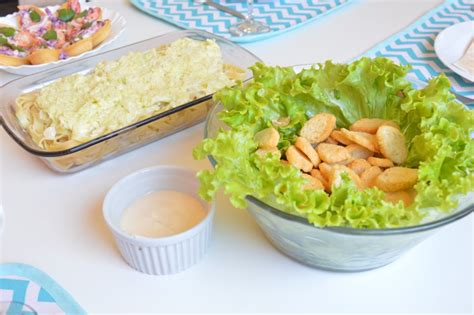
x=304 y=146
x=369 y=175
x=392 y=144
x=332 y=153
x=383 y=163
x=364 y=139
x=318 y=128
x=371 y=125
x=267 y=138
x=396 y=179
x=298 y=159
x=359 y=166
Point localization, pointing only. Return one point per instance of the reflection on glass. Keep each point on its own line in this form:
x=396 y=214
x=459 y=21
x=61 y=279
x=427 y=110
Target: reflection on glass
x=249 y=26
x=12 y=307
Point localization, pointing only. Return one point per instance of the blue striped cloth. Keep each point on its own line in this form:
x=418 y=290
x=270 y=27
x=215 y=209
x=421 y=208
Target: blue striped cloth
x=415 y=44
x=281 y=16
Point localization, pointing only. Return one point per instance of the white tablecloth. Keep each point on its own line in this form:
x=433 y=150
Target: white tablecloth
x=54 y=222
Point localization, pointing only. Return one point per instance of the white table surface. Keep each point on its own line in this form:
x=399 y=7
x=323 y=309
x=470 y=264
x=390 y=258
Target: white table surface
x=54 y=222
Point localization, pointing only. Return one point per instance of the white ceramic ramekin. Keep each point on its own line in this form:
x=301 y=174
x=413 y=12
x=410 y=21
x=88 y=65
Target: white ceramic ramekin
x=158 y=256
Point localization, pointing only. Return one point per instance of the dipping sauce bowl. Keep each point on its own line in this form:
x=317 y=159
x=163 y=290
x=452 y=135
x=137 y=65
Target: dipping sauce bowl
x=161 y=255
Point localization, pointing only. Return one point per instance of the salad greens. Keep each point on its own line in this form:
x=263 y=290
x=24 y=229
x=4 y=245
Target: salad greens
x=86 y=25
x=436 y=127
x=50 y=35
x=4 y=42
x=81 y=14
x=7 y=31
x=66 y=15
x=34 y=16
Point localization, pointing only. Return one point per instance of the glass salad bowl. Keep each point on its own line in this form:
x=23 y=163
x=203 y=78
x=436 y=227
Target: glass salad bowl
x=337 y=248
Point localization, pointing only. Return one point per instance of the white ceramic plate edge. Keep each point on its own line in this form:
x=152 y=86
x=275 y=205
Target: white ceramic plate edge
x=118 y=26
x=440 y=47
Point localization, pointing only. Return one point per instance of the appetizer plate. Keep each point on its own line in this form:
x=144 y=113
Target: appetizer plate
x=118 y=25
x=451 y=44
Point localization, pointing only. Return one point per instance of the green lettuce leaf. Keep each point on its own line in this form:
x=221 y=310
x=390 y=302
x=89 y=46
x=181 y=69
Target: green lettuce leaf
x=437 y=130
x=440 y=144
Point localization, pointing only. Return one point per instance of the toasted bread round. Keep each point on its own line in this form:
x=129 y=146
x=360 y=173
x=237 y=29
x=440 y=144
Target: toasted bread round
x=101 y=34
x=371 y=125
x=404 y=196
x=298 y=159
x=397 y=178
x=312 y=182
x=304 y=146
x=364 y=139
x=267 y=138
x=29 y=7
x=359 y=152
x=79 y=47
x=325 y=169
x=332 y=153
x=330 y=140
x=340 y=137
x=45 y=55
x=13 y=61
x=392 y=144
x=359 y=166
x=384 y=163
x=318 y=128
x=369 y=176
x=335 y=177
x=317 y=174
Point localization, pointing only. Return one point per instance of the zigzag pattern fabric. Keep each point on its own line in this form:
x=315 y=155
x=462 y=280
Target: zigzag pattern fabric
x=29 y=291
x=415 y=45
x=281 y=15
x=19 y=295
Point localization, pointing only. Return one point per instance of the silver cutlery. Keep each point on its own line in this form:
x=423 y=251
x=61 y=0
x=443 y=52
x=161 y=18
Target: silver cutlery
x=221 y=7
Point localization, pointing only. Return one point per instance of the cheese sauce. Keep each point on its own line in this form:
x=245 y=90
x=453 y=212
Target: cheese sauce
x=162 y=213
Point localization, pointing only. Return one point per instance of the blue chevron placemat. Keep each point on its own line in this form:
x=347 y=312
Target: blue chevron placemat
x=281 y=16
x=28 y=291
x=415 y=44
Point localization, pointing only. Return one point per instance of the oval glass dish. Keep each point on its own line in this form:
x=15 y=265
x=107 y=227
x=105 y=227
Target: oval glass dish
x=124 y=139
x=337 y=248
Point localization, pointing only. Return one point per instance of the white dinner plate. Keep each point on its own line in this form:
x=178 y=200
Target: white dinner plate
x=452 y=43
x=117 y=23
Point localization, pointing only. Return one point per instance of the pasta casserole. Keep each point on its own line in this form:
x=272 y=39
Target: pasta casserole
x=81 y=107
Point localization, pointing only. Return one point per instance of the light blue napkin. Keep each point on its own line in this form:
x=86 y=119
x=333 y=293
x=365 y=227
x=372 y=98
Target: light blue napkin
x=27 y=290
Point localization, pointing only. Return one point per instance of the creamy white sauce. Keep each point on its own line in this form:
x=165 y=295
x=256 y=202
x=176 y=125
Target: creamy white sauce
x=162 y=213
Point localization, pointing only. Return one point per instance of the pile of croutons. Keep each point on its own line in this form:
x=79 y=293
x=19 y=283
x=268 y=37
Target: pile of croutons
x=368 y=152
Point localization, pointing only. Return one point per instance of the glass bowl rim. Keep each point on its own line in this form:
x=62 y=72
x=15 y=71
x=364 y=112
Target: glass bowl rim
x=339 y=229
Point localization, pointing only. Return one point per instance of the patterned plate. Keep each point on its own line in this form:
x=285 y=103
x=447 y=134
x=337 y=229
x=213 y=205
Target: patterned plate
x=281 y=16
x=117 y=27
x=415 y=44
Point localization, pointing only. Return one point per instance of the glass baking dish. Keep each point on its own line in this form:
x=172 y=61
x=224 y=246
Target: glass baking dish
x=127 y=138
